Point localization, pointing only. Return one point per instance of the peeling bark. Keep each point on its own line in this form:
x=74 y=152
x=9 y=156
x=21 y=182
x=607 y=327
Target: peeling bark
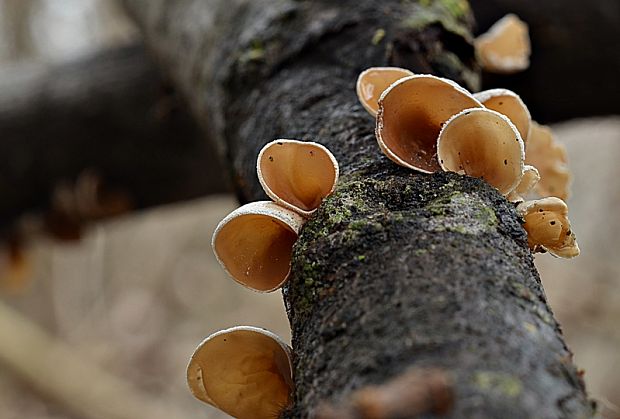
x=396 y=270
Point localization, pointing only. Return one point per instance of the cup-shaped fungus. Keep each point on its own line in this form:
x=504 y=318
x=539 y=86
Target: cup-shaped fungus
x=548 y=228
x=510 y=104
x=411 y=114
x=482 y=143
x=297 y=174
x=373 y=81
x=244 y=371
x=505 y=47
x=254 y=244
x=528 y=181
x=550 y=158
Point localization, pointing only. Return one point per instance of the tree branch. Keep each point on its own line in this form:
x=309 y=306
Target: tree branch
x=396 y=270
x=110 y=112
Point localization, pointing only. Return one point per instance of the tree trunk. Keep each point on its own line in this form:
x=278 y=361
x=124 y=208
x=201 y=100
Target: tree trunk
x=397 y=270
x=110 y=112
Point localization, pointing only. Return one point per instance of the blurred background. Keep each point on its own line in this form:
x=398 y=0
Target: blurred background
x=121 y=303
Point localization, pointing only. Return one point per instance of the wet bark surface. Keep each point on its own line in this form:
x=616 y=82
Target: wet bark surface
x=396 y=270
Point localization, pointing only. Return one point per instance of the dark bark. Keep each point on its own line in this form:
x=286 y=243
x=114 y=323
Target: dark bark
x=396 y=270
x=111 y=113
x=575 y=60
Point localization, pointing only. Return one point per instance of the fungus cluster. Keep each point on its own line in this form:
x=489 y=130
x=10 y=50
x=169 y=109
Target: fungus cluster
x=246 y=371
x=428 y=123
x=255 y=242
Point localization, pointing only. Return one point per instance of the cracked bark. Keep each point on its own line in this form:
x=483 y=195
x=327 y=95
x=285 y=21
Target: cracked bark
x=396 y=270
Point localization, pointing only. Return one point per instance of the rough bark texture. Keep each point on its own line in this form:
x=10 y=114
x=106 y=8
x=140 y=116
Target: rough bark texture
x=111 y=113
x=575 y=59
x=396 y=270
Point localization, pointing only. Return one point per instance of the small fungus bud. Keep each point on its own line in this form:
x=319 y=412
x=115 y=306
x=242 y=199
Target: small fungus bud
x=373 y=81
x=297 y=174
x=244 y=371
x=510 y=104
x=411 y=114
x=505 y=47
x=255 y=242
x=551 y=159
x=482 y=143
x=548 y=228
x=528 y=182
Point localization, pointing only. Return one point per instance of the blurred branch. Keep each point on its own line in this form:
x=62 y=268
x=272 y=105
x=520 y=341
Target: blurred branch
x=16 y=40
x=575 y=55
x=59 y=372
x=111 y=113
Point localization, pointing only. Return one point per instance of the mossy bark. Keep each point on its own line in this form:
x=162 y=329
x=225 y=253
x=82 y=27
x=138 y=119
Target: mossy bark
x=396 y=269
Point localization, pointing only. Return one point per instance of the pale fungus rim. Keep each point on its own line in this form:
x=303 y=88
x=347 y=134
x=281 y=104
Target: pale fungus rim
x=273 y=195
x=516 y=195
x=486 y=95
x=521 y=157
x=380 y=123
x=358 y=86
x=288 y=218
x=203 y=395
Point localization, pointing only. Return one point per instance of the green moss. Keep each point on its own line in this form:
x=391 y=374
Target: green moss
x=357 y=224
x=256 y=52
x=490 y=381
x=378 y=36
x=531 y=328
x=361 y=258
x=449 y=214
x=457 y=8
x=448 y=13
x=544 y=316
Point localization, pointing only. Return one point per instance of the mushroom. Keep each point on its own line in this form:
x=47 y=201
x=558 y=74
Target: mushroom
x=411 y=113
x=505 y=47
x=528 y=181
x=254 y=244
x=244 y=371
x=482 y=143
x=551 y=159
x=510 y=104
x=297 y=174
x=548 y=227
x=373 y=81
